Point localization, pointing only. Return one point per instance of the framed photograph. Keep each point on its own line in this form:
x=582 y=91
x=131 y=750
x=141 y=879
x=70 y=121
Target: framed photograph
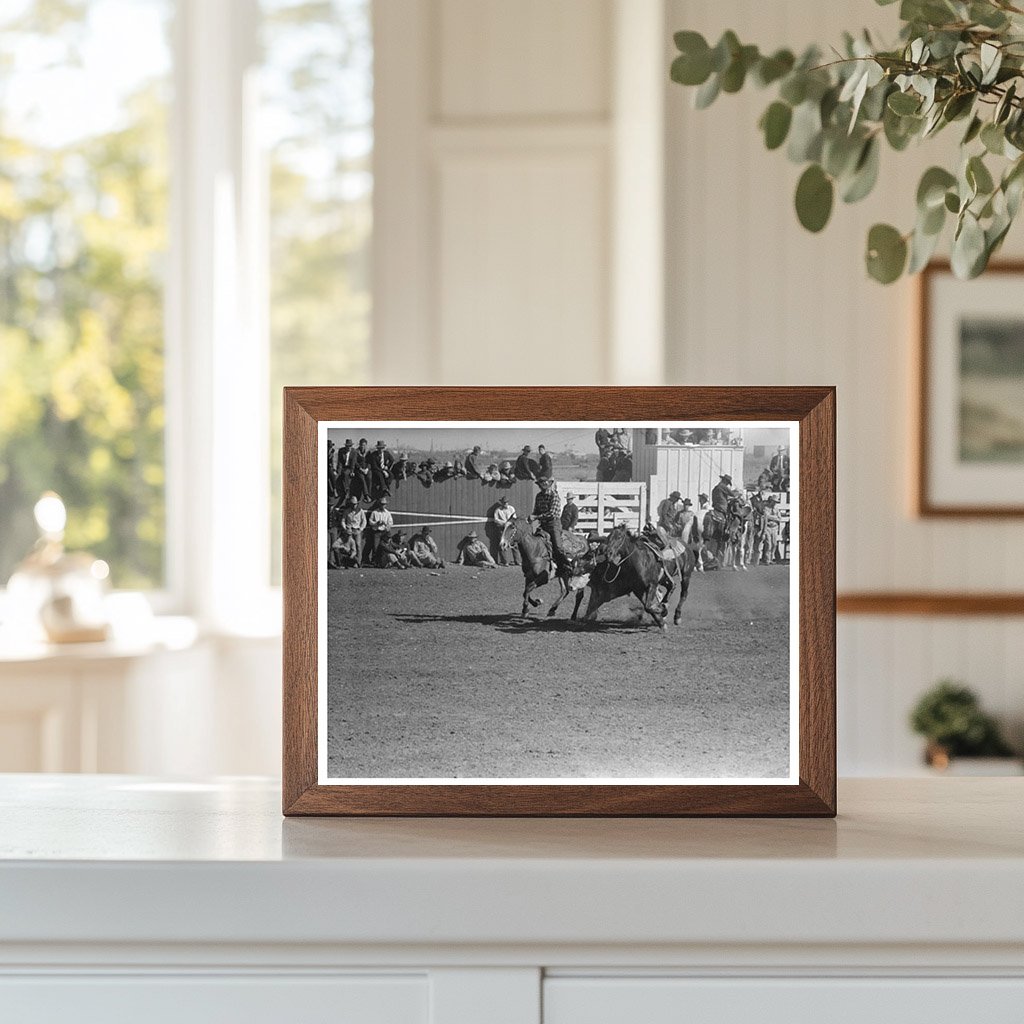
x=970 y=447
x=559 y=601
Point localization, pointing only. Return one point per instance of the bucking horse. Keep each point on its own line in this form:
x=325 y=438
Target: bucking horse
x=644 y=568
x=538 y=563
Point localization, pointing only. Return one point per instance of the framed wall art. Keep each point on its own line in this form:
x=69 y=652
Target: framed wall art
x=559 y=601
x=970 y=445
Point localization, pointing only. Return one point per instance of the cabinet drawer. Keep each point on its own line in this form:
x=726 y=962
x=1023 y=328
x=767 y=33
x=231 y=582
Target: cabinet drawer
x=202 y=999
x=783 y=1000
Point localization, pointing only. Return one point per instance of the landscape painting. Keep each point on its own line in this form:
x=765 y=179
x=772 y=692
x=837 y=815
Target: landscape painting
x=991 y=390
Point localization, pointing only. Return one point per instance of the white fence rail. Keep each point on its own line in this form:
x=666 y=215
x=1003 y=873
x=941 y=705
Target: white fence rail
x=604 y=505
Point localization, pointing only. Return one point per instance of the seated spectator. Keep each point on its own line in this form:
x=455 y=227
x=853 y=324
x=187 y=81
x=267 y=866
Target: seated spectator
x=491 y=474
x=400 y=469
x=423 y=551
x=392 y=552
x=425 y=474
x=474 y=461
x=472 y=551
x=445 y=472
x=506 y=475
x=526 y=468
x=344 y=551
x=459 y=468
x=544 y=465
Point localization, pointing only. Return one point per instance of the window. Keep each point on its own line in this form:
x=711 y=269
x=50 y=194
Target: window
x=317 y=118
x=83 y=236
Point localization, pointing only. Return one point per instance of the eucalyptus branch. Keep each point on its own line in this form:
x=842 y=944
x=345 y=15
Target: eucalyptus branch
x=954 y=61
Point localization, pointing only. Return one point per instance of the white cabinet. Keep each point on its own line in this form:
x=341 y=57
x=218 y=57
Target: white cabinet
x=126 y=899
x=828 y=1000
x=202 y=999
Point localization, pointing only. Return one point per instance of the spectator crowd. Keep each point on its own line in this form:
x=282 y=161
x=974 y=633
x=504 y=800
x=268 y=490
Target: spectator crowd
x=361 y=527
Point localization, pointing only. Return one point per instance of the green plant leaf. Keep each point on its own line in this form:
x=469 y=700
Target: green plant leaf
x=931 y=191
x=968 y=255
x=903 y=103
x=922 y=247
x=993 y=138
x=978 y=176
x=973 y=130
x=771 y=69
x=725 y=49
x=865 y=173
x=735 y=74
x=775 y=122
x=886 y=253
x=794 y=88
x=814 y=195
x=707 y=93
x=952 y=202
x=693 y=65
x=805 y=133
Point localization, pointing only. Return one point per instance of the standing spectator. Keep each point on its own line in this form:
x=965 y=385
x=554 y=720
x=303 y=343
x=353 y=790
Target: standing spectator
x=546 y=509
x=544 y=466
x=474 y=463
x=423 y=550
x=344 y=460
x=602 y=438
x=472 y=551
x=361 y=471
x=702 y=503
x=571 y=512
x=353 y=522
x=769 y=535
x=379 y=525
x=526 y=468
x=500 y=514
x=779 y=469
x=380 y=470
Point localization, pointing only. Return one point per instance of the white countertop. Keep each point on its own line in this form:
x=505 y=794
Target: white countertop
x=119 y=859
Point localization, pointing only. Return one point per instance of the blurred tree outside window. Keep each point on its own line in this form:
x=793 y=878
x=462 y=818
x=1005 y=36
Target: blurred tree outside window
x=84 y=102
x=317 y=125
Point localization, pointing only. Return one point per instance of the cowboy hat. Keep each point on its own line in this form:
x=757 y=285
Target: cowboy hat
x=726 y=478
x=675 y=494
x=381 y=444
x=686 y=501
x=472 y=534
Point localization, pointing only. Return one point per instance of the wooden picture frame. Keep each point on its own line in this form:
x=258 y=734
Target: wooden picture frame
x=932 y=377
x=810 y=789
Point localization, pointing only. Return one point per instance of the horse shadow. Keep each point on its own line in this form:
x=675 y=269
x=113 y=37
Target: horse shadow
x=515 y=624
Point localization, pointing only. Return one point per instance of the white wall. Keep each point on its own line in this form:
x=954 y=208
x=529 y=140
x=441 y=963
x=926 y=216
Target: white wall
x=754 y=299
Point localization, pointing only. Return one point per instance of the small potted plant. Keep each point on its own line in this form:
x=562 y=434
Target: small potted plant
x=950 y=717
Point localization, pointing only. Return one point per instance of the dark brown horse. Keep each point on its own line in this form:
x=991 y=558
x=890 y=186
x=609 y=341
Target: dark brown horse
x=538 y=564
x=632 y=566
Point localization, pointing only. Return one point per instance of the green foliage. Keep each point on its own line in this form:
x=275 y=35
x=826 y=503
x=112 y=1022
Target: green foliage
x=949 y=715
x=956 y=60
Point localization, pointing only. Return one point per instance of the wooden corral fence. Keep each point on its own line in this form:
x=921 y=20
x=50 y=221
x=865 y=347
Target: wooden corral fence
x=604 y=505
x=689 y=469
x=454 y=507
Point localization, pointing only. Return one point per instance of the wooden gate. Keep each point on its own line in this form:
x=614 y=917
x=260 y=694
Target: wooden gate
x=604 y=505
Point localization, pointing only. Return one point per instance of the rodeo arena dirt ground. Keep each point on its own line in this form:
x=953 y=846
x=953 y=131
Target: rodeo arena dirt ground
x=438 y=675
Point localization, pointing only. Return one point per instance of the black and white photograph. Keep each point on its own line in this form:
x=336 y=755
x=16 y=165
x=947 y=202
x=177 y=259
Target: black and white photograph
x=556 y=602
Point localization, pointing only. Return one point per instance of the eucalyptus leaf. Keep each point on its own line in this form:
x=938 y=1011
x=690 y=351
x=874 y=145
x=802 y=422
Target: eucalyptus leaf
x=707 y=93
x=931 y=190
x=993 y=138
x=865 y=173
x=775 y=122
x=805 y=133
x=968 y=247
x=771 y=69
x=886 y=253
x=814 y=195
x=904 y=103
x=978 y=176
x=922 y=248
